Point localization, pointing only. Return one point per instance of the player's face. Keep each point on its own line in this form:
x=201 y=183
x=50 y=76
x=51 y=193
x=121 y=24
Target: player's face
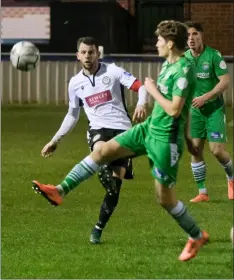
x=194 y=39
x=162 y=47
x=88 y=56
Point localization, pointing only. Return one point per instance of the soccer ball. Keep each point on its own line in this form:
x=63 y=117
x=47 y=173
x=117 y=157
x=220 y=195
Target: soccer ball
x=24 y=56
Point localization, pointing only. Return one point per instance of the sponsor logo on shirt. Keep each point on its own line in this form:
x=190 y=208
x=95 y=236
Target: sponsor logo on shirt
x=203 y=75
x=98 y=98
x=127 y=73
x=216 y=135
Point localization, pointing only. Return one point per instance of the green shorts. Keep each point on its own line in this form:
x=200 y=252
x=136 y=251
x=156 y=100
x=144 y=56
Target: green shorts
x=211 y=125
x=163 y=157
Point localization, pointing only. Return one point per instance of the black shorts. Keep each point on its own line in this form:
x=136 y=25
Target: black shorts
x=106 y=134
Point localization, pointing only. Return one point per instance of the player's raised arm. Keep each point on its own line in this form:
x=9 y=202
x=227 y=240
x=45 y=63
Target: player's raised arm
x=68 y=123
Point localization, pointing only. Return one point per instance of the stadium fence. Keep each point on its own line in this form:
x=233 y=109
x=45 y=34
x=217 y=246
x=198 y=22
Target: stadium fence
x=48 y=83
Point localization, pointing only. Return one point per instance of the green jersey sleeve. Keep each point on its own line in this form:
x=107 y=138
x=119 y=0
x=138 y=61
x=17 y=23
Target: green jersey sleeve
x=219 y=64
x=180 y=85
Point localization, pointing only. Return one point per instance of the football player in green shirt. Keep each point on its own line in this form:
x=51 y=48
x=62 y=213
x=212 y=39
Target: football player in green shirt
x=160 y=137
x=208 y=110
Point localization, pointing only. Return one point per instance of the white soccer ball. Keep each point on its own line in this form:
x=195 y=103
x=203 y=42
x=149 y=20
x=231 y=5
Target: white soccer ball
x=24 y=56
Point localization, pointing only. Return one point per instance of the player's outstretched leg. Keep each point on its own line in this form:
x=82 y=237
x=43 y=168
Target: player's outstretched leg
x=112 y=186
x=81 y=171
x=49 y=192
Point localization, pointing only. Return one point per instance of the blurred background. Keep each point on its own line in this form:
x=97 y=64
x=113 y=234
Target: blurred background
x=125 y=28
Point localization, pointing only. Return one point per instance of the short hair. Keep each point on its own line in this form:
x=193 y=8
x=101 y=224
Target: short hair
x=195 y=25
x=90 y=41
x=175 y=31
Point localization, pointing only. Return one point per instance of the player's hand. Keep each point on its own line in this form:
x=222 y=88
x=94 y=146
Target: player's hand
x=150 y=85
x=49 y=149
x=198 y=102
x=139 y=113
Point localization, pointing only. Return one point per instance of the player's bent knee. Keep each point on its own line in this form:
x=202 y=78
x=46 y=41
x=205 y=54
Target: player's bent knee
x=217 y=149
x=167 y=199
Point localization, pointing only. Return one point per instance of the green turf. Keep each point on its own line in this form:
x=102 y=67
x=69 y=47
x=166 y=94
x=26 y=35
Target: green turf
x=140 y=241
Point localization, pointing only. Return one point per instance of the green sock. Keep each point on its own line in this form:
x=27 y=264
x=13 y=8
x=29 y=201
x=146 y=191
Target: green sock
x=199 y=173
x=186 y=222
x=228 y=168
x=80 y=172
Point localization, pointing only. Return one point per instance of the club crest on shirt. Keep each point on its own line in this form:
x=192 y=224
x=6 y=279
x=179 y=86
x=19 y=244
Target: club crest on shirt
x=205 y=66
x=106 y=80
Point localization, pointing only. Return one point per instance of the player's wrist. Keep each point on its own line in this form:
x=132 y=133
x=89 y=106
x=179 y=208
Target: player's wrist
x=207 y=96
x=141 y=104
x=54 y=141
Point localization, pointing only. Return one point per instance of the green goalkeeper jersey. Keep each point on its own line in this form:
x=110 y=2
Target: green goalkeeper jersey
x=175 y=79
x=209 y=65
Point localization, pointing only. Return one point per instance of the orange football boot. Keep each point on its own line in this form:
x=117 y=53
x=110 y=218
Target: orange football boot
x=231 y=189
x=49 y=192
x=201 y=197
x=193 y=246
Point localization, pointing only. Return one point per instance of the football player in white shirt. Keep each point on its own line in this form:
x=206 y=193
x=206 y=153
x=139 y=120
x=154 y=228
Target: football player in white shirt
x=99 y=87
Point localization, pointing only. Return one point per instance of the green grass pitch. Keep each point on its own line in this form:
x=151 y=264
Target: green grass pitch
x=140 y=241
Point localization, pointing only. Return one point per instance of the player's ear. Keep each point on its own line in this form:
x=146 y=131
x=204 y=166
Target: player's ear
x=77 y=55
x=170 y=44
x=99 y=53
x=201 y=35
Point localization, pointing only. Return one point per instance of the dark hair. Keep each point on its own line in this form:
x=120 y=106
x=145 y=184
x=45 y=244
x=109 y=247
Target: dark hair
x=175 y=31
x=195 y=25
x=90 y=41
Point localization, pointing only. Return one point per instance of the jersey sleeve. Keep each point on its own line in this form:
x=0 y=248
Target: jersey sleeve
x=180 y=84
x=219 y=64
x=124 y=77
x=74 y=101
